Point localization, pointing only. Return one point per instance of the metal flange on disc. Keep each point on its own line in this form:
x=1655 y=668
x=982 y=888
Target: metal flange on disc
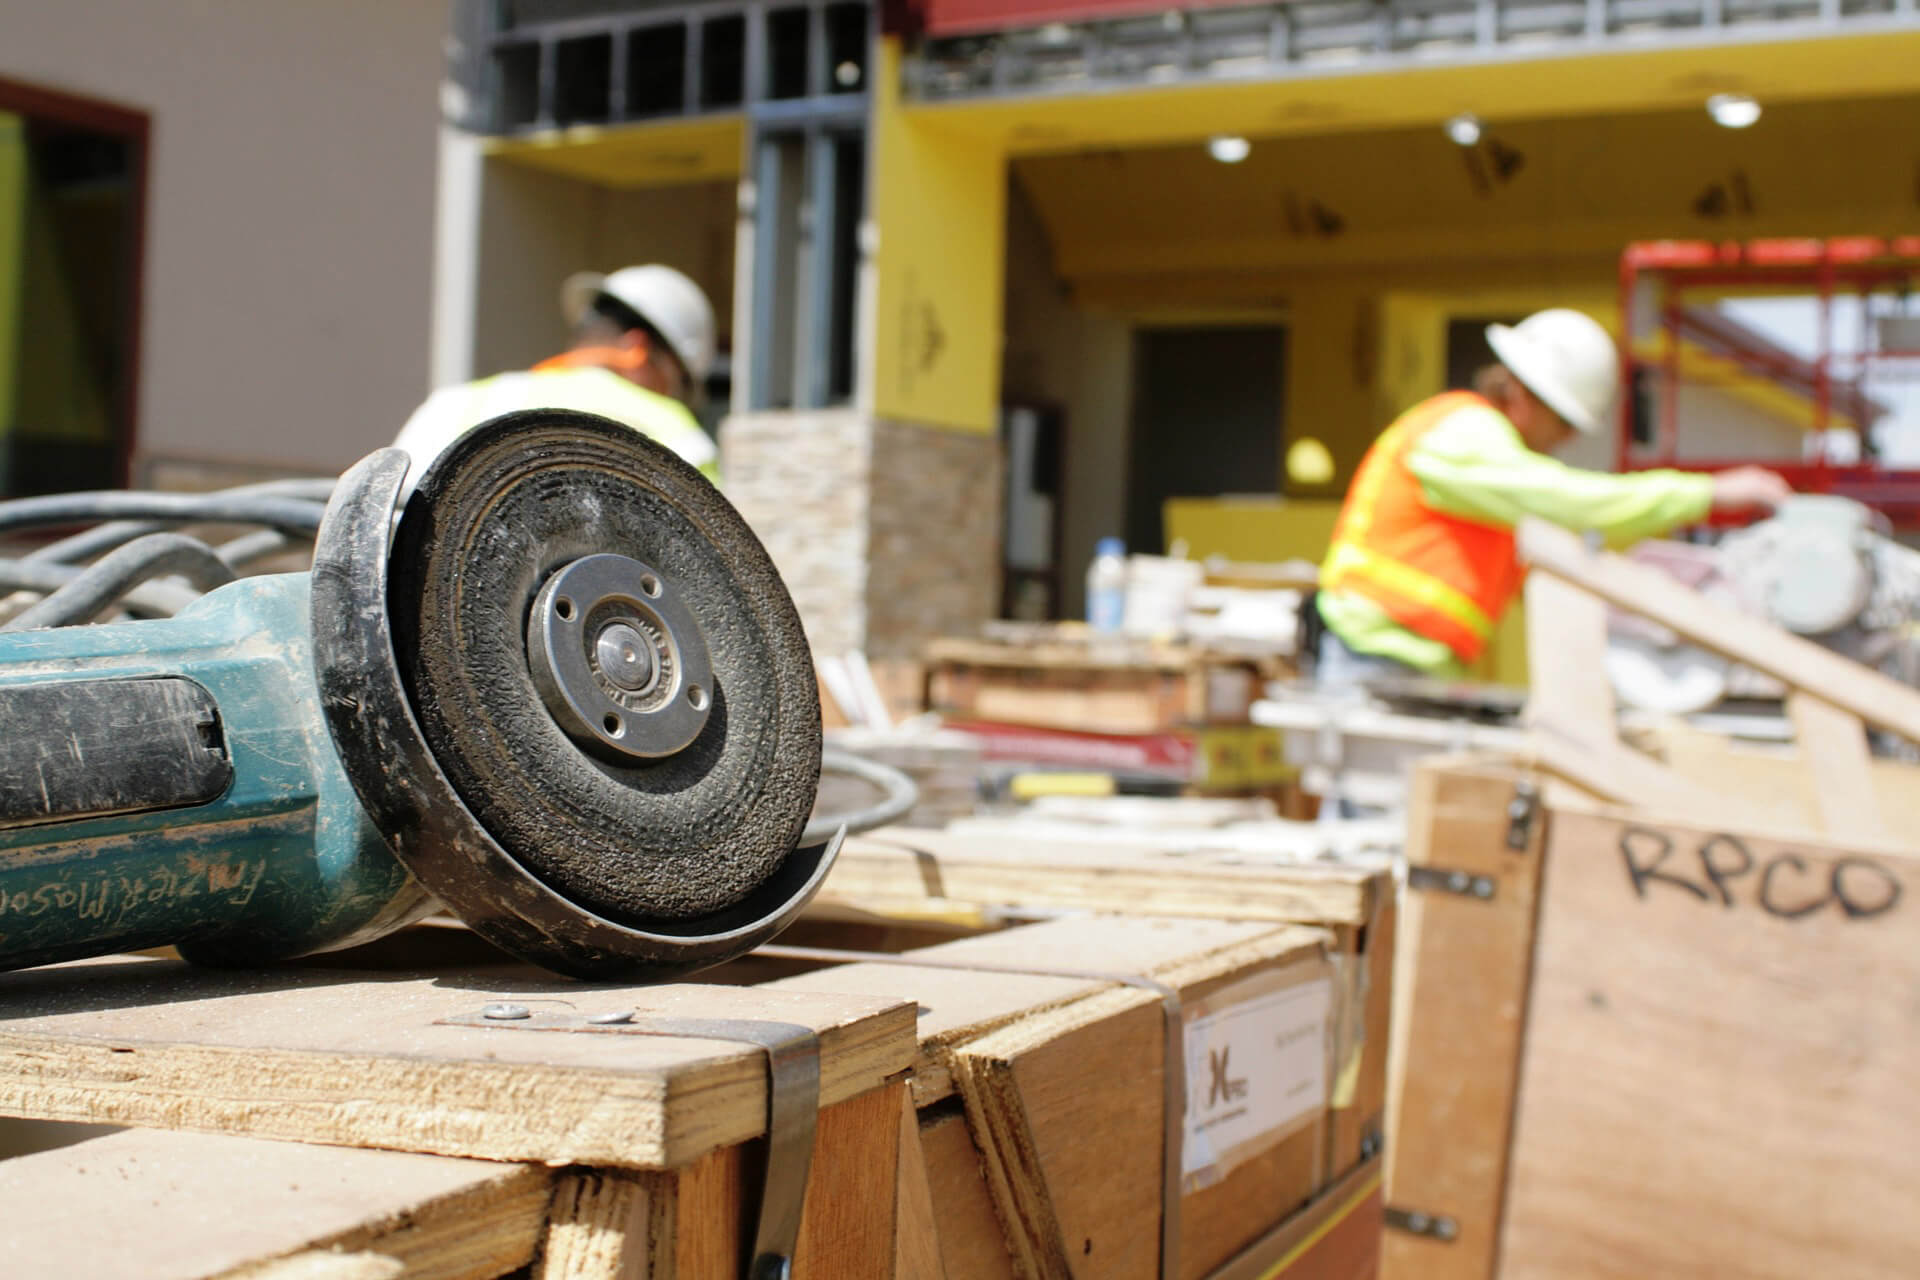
x=574 y=694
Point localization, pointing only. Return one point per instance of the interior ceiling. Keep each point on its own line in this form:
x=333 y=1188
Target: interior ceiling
x=1586 y=185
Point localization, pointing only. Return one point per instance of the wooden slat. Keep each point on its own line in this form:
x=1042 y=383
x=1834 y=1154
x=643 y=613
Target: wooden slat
x=973 y=1244
x=849 y=1225
x=1603 y=765
x=1460 y=998
x=1718 y=1075
x=321 y=1056
x=958 y=1006
x=1772 y=785
x=1876 y=699
x=916 y=1231
x=597 y=1229
x=1833 y=749
x=1171 y=879
x=1566 y=656
x=325 y=1265
x=1073 y=1154
x=1362 y=1116
x=186 y=1206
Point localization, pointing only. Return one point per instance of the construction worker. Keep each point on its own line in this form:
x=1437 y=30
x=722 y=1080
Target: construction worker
x=643 y=343
x=1423 y=560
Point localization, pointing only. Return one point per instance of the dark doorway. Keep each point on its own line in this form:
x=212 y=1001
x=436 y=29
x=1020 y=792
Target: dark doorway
x=72 y=214
x=1206 y=420
x=1467 y=349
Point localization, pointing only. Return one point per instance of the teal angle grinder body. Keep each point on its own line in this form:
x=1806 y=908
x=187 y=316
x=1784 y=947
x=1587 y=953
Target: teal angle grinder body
x=559 y=690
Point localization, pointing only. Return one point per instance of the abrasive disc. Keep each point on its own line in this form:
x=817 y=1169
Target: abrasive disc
x=641 y=840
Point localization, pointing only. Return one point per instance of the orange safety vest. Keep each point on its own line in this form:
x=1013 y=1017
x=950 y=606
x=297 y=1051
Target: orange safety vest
x=1437 y=575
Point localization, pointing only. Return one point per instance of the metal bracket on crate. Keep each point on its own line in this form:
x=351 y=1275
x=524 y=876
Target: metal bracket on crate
x=1467 y=884
x=1523 y=811
x=1432 y=1226
x=793 y=1102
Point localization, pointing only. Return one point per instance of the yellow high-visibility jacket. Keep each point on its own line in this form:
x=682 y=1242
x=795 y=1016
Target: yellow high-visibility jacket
x=451 y=412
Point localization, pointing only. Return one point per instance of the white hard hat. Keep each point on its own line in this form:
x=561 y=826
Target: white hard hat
x=1566 y=359
x=674 y=305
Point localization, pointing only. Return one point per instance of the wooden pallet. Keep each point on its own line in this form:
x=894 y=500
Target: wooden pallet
x=1655 y=1046
x=967 y=1121
x=1115 y=686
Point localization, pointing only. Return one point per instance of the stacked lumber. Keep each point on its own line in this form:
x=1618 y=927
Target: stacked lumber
x=1063 y=697
x=1091 y=683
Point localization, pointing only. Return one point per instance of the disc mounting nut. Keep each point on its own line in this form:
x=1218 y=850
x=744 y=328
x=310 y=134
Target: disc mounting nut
x=619 y=659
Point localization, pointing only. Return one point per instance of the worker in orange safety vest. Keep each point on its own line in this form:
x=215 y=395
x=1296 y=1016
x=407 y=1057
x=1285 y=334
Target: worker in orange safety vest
x=1423 y=559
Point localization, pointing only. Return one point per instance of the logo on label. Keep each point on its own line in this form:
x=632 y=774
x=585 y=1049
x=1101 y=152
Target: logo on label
x=1223 y=1087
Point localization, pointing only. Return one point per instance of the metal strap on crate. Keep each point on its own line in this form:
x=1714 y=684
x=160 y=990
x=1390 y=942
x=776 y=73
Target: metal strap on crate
x=1174 y=1077
x=793 y=1103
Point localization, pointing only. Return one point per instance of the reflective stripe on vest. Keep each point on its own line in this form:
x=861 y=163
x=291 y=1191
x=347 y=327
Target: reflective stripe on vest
x=1414 y=596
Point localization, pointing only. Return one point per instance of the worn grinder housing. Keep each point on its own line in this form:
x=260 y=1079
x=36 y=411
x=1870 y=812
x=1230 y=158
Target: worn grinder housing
x=564 y=693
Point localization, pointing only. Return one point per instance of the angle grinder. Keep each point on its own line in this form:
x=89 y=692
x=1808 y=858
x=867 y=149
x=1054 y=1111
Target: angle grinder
x=561 y=690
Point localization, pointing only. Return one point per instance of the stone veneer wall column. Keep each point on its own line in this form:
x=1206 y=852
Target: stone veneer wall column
x=933 y=537
x=886 y=534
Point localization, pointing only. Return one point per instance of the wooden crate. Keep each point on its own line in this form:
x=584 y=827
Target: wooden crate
x=974 y=871
x=1116 y=686
x=648 y=1142
x=604 y=1155
x=1652 y=1046
x=1022 y=1027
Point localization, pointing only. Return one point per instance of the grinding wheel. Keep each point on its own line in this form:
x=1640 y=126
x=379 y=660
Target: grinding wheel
x=608 y=707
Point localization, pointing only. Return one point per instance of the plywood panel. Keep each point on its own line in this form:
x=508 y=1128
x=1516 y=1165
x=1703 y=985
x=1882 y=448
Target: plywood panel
x=1719 y=1056
x=327 y=1056
x=186 y=1206
x=1460 y=1001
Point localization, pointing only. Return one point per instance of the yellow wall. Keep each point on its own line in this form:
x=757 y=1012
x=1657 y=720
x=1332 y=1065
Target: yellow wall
x=939 y=201
x=13 y=211
x=632 y=156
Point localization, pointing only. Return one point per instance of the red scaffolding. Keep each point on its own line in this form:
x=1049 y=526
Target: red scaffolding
x=1656 y=278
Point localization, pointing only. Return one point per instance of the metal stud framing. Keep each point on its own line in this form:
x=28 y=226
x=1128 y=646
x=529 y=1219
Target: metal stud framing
x=1273 y=41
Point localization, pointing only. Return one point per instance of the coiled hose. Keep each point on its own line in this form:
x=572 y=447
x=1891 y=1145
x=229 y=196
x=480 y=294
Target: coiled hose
x=898 y=795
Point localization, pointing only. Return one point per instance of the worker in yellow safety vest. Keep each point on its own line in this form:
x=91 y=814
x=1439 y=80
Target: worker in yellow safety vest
x=1423 y=559
x=643 y=343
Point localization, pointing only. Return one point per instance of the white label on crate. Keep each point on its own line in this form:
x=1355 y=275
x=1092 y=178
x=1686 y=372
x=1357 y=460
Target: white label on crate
x=1256 y=1071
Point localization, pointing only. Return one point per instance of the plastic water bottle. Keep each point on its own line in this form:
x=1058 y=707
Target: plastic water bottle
x=1107 y=586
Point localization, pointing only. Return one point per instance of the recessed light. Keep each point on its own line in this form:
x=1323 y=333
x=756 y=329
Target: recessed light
x=1733 y=110
x=1464 y=129
x=1229 y=148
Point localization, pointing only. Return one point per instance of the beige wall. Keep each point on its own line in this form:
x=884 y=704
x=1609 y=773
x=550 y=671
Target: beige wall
x=537 y=228
x=290 y=211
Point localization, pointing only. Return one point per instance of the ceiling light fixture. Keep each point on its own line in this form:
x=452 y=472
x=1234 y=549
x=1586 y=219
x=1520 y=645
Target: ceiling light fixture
x=1733 y=110
x=1464 y=129
x=1229 y=148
